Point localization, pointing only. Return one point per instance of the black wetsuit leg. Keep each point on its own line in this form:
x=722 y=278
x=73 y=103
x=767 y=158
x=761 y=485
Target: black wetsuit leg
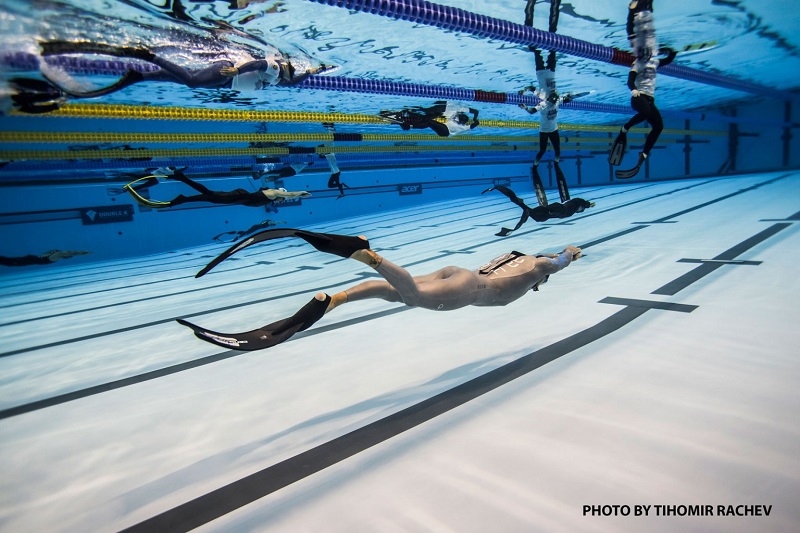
x=24 y=260
x=555 y=140
x=648 y=107
x=646 y=110
x=555 y=8
x=237 y=196
x=333 y=182
x=529 y=7
x=543 y=138
x=439 y=127
x=202 y=189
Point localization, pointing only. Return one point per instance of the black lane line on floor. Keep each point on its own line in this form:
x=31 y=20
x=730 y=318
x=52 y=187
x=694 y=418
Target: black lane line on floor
x=726 y=258
x=649 y=304
x=174 y=369
x=230 y=497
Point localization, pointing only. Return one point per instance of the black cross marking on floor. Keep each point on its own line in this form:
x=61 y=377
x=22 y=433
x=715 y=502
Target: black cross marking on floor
x=727 y=257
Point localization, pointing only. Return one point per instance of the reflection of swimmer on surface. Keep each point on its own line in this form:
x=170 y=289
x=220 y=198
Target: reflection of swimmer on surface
x=444 y=118
x=260 y=198
x=45 y=259
x=269 y=172
x=497 y=283
x=230 y=236
x=334 y=180
x=245 y=76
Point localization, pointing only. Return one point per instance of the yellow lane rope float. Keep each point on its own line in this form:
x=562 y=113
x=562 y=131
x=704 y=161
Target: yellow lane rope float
x=239 y=115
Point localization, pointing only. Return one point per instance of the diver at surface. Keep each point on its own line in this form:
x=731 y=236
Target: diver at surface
x=642 y=84
x=444 y=118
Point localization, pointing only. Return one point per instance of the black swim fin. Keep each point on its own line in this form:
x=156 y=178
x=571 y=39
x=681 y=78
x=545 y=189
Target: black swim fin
x=266 y=336
x=538 y=186
x=129 y=78
x=631 y=172
x=618 y=149
x=341 y=245
x=516 y=200
x=146 y=182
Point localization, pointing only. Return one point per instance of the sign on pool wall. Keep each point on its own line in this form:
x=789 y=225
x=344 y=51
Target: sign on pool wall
x=409 y=188
x=106 y=214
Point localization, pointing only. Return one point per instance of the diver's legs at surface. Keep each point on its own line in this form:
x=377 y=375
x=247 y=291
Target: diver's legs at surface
x=538 y=186
x=555 y=6
x=563 y=188
x=543 y=137
x=529 y=7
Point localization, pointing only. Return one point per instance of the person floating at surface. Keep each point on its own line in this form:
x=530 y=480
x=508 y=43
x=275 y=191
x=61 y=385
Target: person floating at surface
x=540 y=213
x=268 y=172
x=260 y=198
x=497 y=283
x=334 y=181
x=547 y=107
x=444 y=118
x=45 y=259
x=248 y=76
x=642 y=83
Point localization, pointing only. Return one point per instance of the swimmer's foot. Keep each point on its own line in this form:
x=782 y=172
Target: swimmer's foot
x=335 y=301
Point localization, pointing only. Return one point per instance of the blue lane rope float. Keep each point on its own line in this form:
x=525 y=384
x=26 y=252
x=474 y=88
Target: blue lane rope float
x=456 y=19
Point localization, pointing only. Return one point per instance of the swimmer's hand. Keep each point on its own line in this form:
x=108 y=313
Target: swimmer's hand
x=229 y=72
x=575 y=251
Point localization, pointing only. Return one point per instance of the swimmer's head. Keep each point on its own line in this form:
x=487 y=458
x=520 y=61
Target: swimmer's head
x=461 y=118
